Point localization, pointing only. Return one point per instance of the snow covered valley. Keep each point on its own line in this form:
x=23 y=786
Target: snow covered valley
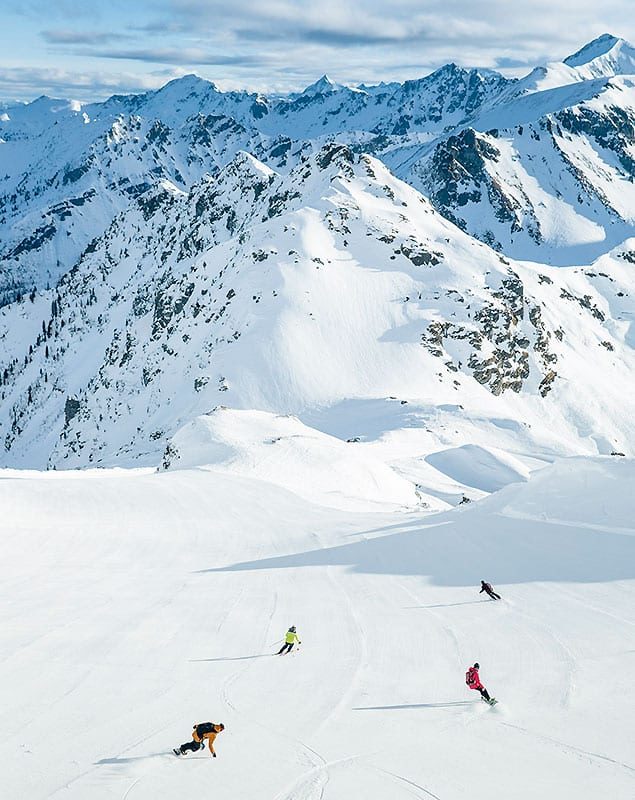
x=135 y=603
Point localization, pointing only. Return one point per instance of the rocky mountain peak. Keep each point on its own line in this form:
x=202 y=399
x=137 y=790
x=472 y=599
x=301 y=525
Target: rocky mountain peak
x=605 y=56
x=601 y=46
x=323 y=85
x=188 y=83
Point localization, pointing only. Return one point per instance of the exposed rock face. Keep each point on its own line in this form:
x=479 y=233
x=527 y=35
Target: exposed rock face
x=540 y=180
x=71 y=409
x=499 y=339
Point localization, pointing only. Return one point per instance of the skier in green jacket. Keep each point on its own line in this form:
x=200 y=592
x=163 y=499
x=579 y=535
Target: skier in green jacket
x=291 y=637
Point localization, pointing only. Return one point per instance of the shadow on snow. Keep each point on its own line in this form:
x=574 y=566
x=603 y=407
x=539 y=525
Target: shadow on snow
x=418 y=705
x=447 y=605
x=131 y=759
x=231 y=658
x=472 y=547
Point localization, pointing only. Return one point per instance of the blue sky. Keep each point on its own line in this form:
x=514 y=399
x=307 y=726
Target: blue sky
x=91 y=49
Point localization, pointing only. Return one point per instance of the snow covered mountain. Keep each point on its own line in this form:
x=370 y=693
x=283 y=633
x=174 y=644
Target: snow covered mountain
x=337 y=357
x=69 y=169
x=204 y=248
x=547 y=176
x=300 y=293
x=604 y=57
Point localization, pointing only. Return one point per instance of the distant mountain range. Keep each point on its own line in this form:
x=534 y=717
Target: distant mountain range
x=459 y=244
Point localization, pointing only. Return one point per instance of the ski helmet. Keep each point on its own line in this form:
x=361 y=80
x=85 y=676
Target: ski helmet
x=477 y=665
x=292 y=628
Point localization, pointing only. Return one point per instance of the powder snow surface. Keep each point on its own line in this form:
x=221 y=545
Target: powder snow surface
x=134 y=604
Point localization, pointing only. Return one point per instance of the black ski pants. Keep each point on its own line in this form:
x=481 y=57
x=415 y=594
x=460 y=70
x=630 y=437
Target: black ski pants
x=286 y=648
x=193 y=746
x=484 y=693
x=494 y=596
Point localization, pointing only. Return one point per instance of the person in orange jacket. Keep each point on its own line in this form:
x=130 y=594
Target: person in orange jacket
x=202 y=731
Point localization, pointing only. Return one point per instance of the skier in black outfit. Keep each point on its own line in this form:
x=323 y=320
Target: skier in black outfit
x=487 y=587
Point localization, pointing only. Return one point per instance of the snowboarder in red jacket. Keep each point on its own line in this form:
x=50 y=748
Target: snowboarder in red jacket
x=487 y=587
x=474 y=682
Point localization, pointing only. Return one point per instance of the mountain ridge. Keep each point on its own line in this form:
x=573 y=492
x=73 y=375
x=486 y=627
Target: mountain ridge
x=456 y=244
x=228 y=292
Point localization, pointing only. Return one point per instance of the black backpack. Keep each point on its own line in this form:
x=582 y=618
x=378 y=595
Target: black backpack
x=203 y=728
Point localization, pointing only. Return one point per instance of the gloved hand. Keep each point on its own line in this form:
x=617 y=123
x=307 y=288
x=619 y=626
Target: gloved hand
x=214 y=754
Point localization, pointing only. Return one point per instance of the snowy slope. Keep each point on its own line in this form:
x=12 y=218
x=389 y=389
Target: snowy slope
x=305 y=293
x=283 y=451
x=57 y=200
x=544 y=170
x=136 y=604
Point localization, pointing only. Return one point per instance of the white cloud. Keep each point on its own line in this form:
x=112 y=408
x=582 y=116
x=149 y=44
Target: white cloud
x=21 y=83
x=286 y=44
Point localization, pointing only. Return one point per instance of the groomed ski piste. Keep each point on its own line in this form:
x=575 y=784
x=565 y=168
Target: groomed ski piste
x=135 y=603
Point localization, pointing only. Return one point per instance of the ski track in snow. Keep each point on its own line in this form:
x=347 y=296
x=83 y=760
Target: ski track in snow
x=360 y=650
x=577 y=750
x=421 y=790
x=591 y=607
x=305 y=749
x=234 y=676
x=130 y=788
x=94 y=768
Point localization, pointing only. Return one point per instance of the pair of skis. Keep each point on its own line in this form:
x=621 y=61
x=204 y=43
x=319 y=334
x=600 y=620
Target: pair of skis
x=288 y=652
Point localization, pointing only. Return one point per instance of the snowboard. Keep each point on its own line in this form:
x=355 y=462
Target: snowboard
x=491 y=702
